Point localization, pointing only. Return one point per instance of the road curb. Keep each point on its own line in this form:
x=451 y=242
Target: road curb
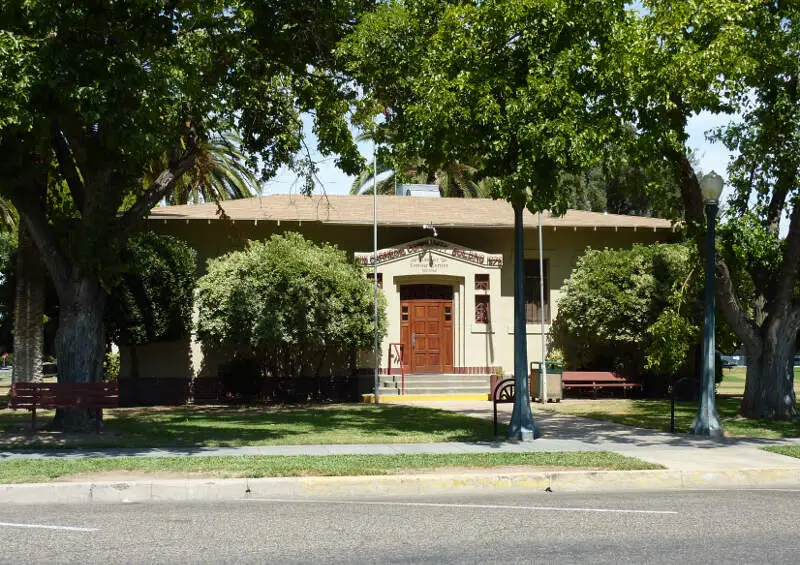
x=400 y=485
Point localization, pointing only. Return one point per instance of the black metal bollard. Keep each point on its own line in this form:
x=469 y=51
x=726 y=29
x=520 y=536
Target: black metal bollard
x=671 y=391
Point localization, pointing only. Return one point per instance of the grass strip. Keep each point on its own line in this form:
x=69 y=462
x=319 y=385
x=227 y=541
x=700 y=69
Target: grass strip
x=43 y=470
x=790 y=450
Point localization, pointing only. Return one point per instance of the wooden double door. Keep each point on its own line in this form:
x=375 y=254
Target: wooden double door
x=426 y=327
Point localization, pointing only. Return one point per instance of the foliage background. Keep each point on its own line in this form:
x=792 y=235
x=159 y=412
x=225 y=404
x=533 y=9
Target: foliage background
x=155 y=297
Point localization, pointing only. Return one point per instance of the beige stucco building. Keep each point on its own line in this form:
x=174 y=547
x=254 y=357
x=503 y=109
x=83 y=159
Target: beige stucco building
x=445 y=265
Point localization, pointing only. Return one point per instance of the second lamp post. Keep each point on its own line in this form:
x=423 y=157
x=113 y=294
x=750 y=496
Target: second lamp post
x=707 y=421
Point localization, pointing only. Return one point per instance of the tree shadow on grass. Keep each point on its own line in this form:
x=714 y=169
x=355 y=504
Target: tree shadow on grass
x=284 y=425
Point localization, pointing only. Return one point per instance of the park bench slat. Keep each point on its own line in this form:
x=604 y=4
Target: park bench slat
x=596 y=380
x=33 y=396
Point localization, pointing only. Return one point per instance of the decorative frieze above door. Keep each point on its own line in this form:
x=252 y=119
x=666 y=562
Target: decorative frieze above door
x=431 y=256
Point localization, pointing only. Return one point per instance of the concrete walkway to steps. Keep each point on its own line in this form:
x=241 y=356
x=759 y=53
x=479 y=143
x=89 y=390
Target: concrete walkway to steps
x=560 y=433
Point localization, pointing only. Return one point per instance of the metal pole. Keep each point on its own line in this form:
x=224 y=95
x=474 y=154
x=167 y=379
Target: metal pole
x=541 y=310
x=707 y=421
x=522 y=426
x=375 y=262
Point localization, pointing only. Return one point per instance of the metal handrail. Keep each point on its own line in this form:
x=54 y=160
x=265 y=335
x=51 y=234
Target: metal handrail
x=398 y=350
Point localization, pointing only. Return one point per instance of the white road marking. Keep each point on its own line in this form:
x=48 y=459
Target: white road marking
x=47 y=527
x=736 y=489
x=774 y=489
x=477 y=506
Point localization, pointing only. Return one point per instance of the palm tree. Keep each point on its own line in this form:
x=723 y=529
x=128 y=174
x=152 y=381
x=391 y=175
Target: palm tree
x=362 y=184
x=29 y=302
x=9 y=217
x=219 y=173
x=454 y=179
x=29 y=298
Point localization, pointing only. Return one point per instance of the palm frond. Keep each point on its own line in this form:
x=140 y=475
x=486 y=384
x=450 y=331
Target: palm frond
x=363 y=182
x=9 y=217
x=385 y=187
x=219 y=173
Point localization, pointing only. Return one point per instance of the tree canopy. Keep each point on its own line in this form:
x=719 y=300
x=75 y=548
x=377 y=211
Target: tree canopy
x=507 y=86
x=92 y=94
x=673 y=60
x=533 y=90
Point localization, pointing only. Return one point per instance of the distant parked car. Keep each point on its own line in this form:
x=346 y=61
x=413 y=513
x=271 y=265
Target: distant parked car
x=797 y=360
x=728 y=361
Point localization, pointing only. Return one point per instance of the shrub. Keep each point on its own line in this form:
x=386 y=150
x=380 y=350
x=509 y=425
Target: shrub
x=637 y=311
x=290 y=303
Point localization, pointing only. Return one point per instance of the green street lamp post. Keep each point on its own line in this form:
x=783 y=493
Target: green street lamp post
x=707 y=421
x=522 y=426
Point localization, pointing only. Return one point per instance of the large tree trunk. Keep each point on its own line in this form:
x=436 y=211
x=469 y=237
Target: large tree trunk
x=769 y=388
x=80 y=346
x=28 y=310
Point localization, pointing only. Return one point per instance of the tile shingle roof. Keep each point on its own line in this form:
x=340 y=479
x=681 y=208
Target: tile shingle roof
x=396 y=211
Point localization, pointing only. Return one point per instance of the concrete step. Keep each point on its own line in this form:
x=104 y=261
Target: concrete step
x=436 y=382
x=437 y=378
x=441 y=389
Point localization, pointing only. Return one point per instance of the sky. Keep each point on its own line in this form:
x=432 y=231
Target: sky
x=711 y=156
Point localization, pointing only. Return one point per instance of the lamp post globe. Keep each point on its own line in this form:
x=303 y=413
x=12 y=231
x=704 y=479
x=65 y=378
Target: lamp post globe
x=711 y=187
x=707 y=421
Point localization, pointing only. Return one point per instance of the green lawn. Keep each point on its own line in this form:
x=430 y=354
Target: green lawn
x=225 y=426
x=790 y=450
x=733 y=381
x=654 y=414
x=43 y=470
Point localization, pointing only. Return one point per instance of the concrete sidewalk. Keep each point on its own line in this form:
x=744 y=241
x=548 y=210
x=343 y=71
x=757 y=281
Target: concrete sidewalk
x=673 y=451
x=560 y=432
x=689 y=462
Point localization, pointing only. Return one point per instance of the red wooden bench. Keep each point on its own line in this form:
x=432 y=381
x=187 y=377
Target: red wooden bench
x=47 y=396
x=596 y=380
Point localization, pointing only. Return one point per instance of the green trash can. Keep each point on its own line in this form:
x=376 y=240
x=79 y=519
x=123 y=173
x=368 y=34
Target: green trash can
x=555 y=371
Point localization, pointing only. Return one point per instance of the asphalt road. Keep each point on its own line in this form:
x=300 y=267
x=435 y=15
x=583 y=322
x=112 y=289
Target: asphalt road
x=641 y=527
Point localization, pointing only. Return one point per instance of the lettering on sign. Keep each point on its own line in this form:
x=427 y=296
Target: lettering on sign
x=430 y=263
x=424 y=248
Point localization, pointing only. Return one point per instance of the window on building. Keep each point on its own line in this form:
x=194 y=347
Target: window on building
x=370 y=277
x=533 y=301
x=482 y=309
x=482 y=281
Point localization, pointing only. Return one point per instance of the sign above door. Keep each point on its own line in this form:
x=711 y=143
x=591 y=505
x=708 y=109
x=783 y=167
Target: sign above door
x=431 y=247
